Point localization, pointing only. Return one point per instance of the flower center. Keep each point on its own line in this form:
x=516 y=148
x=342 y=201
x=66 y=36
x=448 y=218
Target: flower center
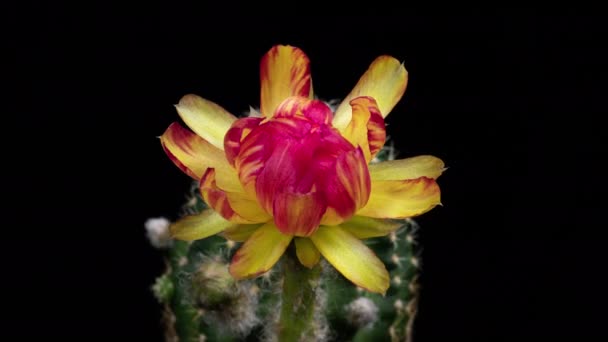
x=301 y=170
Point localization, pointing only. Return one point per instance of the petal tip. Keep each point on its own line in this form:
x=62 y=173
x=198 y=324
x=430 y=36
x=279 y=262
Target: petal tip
x=284 y=71
x=306 y=252
x=381 y=287
x=388 y=59
x=385 y=80
x=239 y=275
x=198 y=226
x=188 y=98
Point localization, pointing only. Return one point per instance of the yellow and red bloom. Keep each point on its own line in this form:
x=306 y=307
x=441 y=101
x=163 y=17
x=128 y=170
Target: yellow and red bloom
x=300 y=172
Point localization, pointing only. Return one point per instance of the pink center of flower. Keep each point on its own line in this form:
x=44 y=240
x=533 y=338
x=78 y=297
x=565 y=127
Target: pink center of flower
x=301 y=170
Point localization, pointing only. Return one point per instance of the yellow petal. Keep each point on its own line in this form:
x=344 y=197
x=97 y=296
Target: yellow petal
x=367 y=227
x=227 y=178
x=206 y=118
x=307 y=253
x=352 y=258
x=401 y=199
x=194 y=155
x=247 y=207
x=284 y=72
x=200 y=226
x=260 y=252
x=191 y=153
x=236 y=207
x=409 y=168
x=385 y=81
x=240 y=233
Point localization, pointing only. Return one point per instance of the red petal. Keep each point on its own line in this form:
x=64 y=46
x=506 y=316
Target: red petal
x=298 y=214
x=298 y=106
x=376 y=132
x=347 y=187
x=216 y=198
x=237 y=132
x=353 y=174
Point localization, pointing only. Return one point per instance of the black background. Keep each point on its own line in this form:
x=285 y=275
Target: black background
x=508 y=99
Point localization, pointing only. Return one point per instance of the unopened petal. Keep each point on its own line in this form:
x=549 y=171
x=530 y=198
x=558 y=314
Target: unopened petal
x=401 y=199
x=307 y=253
x=353 y=174
x=260 y=252
x=366 y=128
x=350 y=189
x=191 y=153
x=298 y=214
x=298 y=106
x=409 y=168
x=199 y=226
x=207 y=119
x=368 y=227
x=385 y=81
x=376 y=133
x=284 y=72
x=237 y=132
x=352 y=258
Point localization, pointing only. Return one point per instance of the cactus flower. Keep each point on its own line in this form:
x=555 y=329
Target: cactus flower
x=300 y=172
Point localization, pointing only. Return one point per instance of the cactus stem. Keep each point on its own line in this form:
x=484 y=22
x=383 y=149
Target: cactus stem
x=298 y=299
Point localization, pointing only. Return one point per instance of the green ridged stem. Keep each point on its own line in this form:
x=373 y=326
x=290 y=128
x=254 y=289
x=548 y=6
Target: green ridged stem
x=298 y=299
x=397 y=309
x=407 y=271
x=186 y=319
